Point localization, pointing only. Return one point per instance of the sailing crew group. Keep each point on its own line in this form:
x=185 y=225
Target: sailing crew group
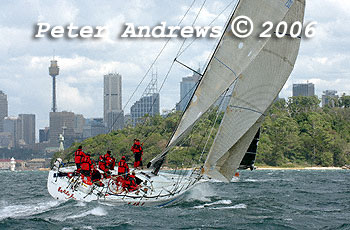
x=85 y=166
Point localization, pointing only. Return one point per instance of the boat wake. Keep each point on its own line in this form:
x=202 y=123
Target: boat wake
x=14 y=211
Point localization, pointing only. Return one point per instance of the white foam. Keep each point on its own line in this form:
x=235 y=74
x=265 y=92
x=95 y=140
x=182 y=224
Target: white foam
x=237 y=206
x=214 y=203
x=26 y=210
x=201 y=192
x=98 y=211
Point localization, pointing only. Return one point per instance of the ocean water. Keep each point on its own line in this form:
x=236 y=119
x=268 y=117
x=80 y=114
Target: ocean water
x=262 y=199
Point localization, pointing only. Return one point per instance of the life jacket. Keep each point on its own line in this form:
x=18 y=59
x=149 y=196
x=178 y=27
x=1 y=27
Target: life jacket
x=102 y=163
x=123 y=167
x=137 y=148
x=78 y=155
x=131 y=184
x=110 y=162
x=86 y=163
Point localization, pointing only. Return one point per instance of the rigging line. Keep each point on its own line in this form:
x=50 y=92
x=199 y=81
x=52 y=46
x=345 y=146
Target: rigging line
x=233 y=12
x=226 y=66
x=212 y=128
x=194 y=39
x=155 y=60
x=253 y=110
x=187 y=67
x=194 y=21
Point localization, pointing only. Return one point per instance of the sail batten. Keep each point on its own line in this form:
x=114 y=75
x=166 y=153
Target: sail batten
x=254 y=92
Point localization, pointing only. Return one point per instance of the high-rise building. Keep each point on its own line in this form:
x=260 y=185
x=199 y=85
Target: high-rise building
x=329 y=98
x=112 y=95
x=3 y=109
x=10 y=126
x=79 y=123
x=93 y=127
x=26 y=128
x=187 y=88
x=307 y=90
x=44 y=135
x=62 y=123
x=148 y=103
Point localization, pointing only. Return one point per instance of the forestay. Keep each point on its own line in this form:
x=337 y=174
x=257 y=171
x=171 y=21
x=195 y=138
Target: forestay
x=254 y=92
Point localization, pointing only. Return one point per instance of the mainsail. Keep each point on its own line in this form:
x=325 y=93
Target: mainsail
x=253 y=93
x=231 y=57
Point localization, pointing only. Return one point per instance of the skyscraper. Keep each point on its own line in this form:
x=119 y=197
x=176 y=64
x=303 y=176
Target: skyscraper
x=3 y=109
x=27 y=128
x=62 y=123
x=307 y=89
x=148 y=103
x=187 y=87
x=113 y=114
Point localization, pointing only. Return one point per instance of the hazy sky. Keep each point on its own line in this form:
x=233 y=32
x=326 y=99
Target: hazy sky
x=24 y=61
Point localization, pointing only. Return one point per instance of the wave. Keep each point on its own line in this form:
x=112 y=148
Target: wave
x=201 y=192
x=13 y=211
x=214 y=203
x=237 y=206
x=98 y=211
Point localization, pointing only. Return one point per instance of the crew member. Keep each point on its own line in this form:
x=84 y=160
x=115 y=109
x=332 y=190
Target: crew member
x=138 y=152
x=86 y=165
x=78 y=156
x=130 y=183
x=123 y=167
x=110 y=161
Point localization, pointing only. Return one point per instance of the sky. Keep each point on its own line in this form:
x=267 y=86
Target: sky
x=24 y=60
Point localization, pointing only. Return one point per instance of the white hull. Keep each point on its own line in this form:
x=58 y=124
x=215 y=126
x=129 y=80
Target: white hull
x=161 y=190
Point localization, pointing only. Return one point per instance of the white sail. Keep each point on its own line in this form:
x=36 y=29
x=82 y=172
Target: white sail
x=253 y=93
x=230 y=59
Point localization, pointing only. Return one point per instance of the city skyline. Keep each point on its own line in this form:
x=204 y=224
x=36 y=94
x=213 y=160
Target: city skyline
x=322 y=60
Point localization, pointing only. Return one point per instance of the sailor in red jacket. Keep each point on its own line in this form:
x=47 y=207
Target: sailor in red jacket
x=138 y=152
x=131 y=184
x=86 y=165
x=123 y=167
x=110 y=161
x=78 y=156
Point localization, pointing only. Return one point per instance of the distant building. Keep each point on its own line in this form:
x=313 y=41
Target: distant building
x=79 y=123
x=22 y=130
x=187 y=88
x=307 y=89
x=44 y=135
x=3 y=109
x=112 y=103
x=146 y=105
x=62 y=123
x=93 y=127
x=26 y=128
x=5 y=140
x=329 y=98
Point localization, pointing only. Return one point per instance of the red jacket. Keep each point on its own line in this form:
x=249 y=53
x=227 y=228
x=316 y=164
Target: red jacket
x=78 y=155
x=123 y=167
x=137 y=148
x=86 y=163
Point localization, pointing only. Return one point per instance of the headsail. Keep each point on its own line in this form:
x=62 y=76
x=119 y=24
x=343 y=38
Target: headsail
x=230 y=59
x=254 y=92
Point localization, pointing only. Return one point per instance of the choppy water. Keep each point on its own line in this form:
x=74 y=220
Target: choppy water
x=260 y=200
